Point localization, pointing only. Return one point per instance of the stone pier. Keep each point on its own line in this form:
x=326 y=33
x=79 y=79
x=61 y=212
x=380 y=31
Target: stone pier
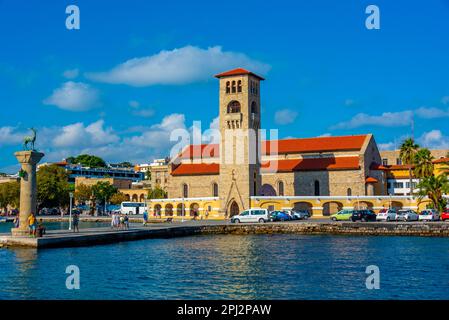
x=28 y=188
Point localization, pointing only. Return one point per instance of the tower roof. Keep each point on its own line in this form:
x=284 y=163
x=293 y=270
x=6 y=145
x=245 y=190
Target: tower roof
x=237 y=72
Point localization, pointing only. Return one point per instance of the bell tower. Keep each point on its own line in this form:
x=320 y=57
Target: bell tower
x=239 y=92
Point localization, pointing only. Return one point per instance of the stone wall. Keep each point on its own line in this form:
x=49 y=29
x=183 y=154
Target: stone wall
x=199 y=186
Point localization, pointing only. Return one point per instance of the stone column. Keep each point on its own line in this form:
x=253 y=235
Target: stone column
x=28 y=188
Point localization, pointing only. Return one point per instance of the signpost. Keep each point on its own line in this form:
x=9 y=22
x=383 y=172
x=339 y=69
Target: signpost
x=70 y=211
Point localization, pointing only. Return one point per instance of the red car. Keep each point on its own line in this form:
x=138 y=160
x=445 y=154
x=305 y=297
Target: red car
x=445 y=215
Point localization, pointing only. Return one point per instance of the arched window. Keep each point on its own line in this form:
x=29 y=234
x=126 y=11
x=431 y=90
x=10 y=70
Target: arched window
x=234 y=107
x=228 y=87
x=253 y=107
x=239 y=86
x=233 y=87
x=281 y=188
x=317 y=188
x=185 y=190
x=214 y=189
x=349 y=192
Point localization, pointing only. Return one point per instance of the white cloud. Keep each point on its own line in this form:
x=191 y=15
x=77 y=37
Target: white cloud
x=349 y=102
x=74 y=96
x=285 y=116
x=179 y=66
x=78 y=135
x=144 y=113
x=431 y=113
x=434 y=139
x=445 y=100
x=10 y=136
x=71 y=73
x=134 y=104
x=325 y=135
x=386 y=119
x=387 y=146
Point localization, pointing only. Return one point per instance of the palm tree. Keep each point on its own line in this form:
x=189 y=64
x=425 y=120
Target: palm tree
x=407 y=154
x=423 y=163
x=434 y=187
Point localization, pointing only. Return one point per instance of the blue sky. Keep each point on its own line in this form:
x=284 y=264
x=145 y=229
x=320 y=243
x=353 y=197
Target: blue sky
x=137 y=70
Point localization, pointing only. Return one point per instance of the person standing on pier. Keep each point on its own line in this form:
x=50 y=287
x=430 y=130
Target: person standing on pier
x=145 y=217
x=76 y=220
x=32 y=224
x=16 y=221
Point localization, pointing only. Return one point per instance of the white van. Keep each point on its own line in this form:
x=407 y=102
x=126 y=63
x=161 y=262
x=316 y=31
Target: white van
x=252 y=215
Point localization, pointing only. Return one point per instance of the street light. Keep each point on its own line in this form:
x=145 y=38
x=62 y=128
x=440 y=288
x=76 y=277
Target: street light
x=70 y=211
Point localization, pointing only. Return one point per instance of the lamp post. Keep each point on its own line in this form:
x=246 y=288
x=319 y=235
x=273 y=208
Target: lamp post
x=70 y=210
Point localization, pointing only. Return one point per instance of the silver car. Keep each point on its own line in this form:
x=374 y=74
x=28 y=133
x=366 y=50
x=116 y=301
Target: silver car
x=407 y=215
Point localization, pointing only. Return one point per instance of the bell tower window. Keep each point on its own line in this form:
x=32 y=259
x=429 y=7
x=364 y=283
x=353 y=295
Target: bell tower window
x=234 y=107
x=233 y=87
x=239 y=86
x=228 y=87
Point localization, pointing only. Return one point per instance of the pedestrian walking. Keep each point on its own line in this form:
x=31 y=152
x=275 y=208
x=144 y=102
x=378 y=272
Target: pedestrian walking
x=145 y=218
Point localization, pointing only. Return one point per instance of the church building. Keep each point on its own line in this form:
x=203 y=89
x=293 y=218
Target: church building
x=243 y=165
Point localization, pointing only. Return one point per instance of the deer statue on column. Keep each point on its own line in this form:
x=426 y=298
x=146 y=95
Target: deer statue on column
x=28 y=142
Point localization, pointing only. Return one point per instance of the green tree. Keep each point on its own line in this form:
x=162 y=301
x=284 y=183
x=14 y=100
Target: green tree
x=118 y=198
x=125 y=164
x=9 y=194
x=423 y=163
x=157 y=193
x=434 y=187
x=87 y=160
x=407 y=154
x=52 y=186
x=103 y=191
x=83 y=193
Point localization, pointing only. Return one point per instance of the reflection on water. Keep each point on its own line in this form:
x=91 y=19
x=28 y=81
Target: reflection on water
x=234 y=267
x=6 y=226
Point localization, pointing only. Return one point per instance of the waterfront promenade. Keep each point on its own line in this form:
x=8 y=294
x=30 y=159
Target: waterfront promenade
x=97 y=236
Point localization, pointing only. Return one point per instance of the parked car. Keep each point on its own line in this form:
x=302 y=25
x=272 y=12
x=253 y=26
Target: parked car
x=279 y=216
x=386 y=215
x=429 y=215
x=342 y=215
x=363 y=215
x=299 y=214
x=407 y=215
x=252 y=215
x=445 y=215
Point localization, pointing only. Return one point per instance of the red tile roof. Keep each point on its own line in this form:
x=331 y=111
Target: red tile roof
x=329 y=164
x=200 y=151
x=237 y=72
x=442 y=160
x=371 y=180
x=376 y=166
x=196 y=169
x=306 y=145
x=339 y=163
x=320 y=144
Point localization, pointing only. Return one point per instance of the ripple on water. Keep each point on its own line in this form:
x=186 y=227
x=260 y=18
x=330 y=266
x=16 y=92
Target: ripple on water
x=234 y=267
